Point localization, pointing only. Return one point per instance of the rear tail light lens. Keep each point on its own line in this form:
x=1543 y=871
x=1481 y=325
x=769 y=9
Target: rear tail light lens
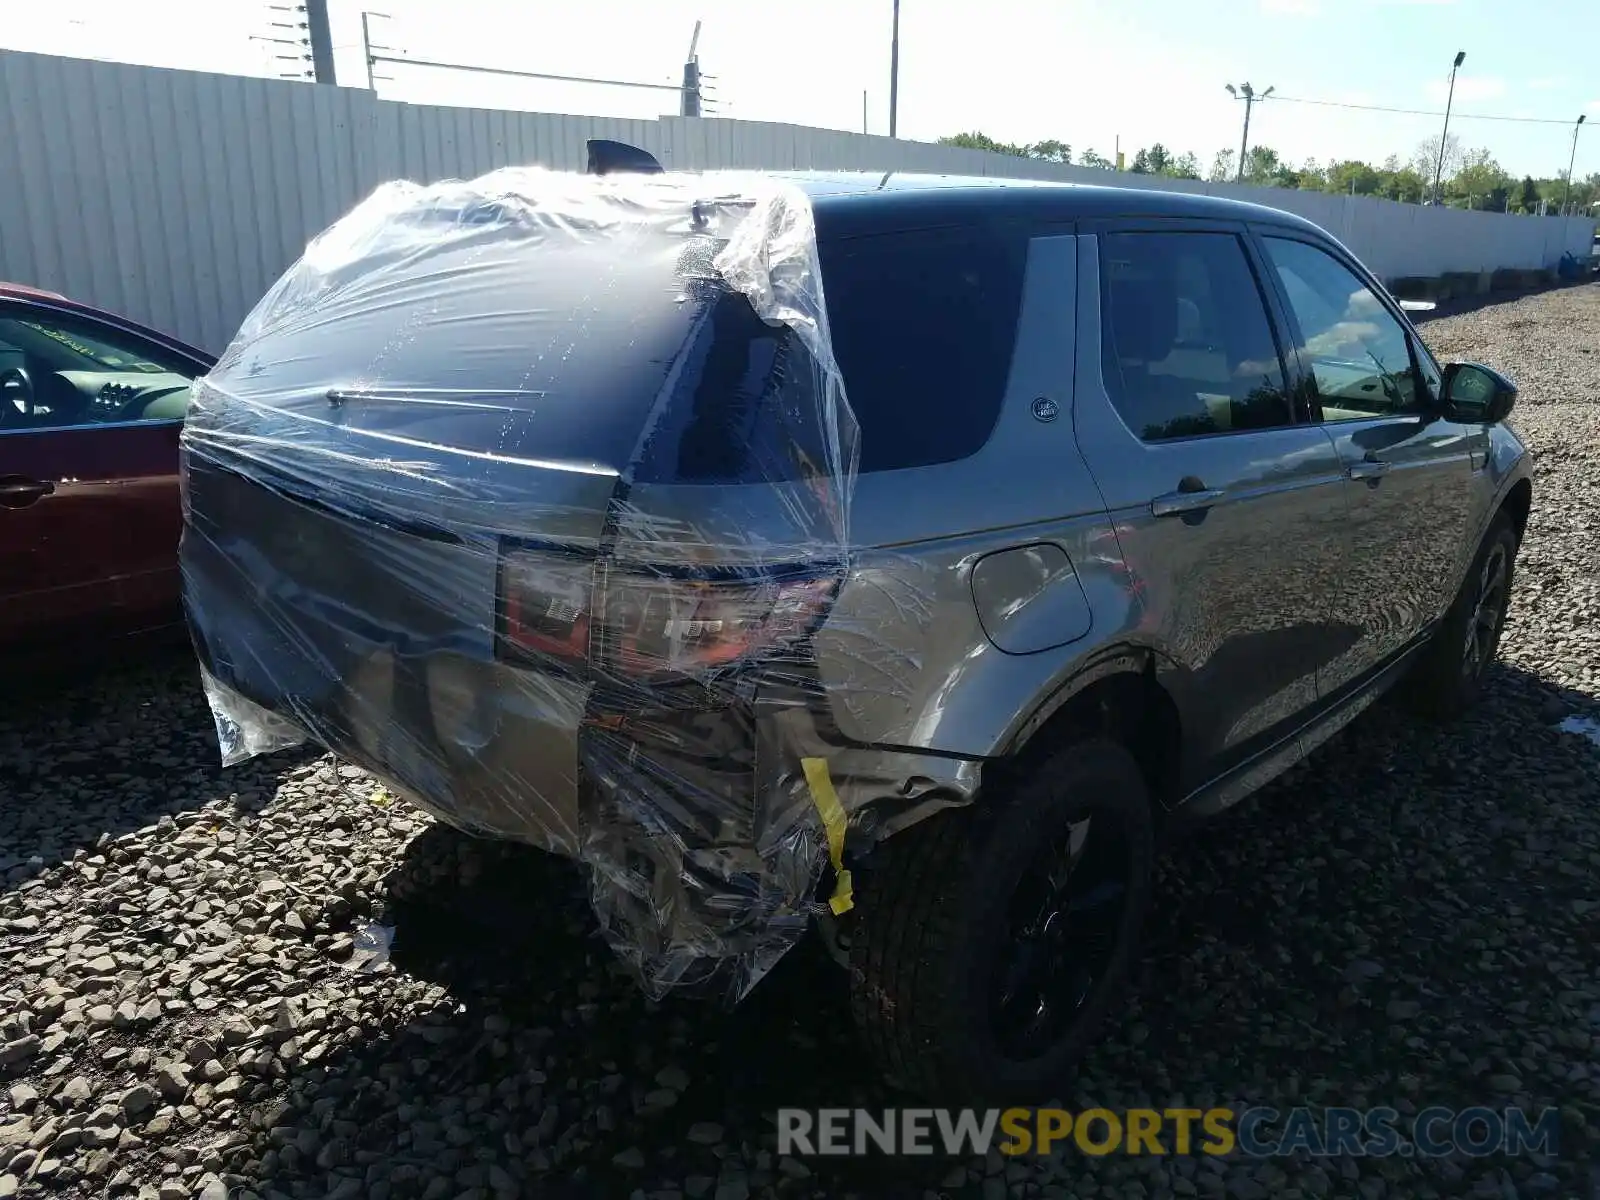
x=643 y=624
x=546 y=602
x=657 y=625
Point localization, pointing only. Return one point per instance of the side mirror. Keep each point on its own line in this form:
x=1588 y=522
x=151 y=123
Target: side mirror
x=1476 y=394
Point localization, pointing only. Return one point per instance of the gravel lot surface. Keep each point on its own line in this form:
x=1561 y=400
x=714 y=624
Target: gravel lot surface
x=1411 y=919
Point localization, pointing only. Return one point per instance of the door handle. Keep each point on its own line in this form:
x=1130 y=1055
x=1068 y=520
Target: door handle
x=1368 y=468
x=19 y=492
x=1184 y=501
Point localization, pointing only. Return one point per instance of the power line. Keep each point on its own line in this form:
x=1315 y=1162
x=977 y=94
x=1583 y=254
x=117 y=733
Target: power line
x=408 y=61
x=1422 y=112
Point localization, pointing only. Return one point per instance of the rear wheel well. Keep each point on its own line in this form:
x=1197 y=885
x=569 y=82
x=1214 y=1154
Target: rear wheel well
x=1131 y=708
x=1517 y=504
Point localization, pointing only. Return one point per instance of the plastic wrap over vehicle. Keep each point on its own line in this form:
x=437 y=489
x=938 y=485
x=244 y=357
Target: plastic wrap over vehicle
x=528 y=494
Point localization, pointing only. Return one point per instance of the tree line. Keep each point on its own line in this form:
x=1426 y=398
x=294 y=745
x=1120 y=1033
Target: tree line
x=1469 y=178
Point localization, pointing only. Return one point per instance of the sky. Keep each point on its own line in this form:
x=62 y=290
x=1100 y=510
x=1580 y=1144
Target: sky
x=1093 y=74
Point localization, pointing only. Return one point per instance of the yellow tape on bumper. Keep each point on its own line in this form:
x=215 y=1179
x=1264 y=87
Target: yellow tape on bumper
x=834 y=822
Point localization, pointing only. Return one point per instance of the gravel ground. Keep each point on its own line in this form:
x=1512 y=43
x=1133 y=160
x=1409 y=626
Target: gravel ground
x=1411 y=919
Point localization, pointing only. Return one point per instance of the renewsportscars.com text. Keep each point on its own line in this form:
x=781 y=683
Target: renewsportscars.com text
x=1254 y=1132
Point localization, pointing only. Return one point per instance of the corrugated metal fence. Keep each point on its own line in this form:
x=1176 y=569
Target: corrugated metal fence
x=177 y=197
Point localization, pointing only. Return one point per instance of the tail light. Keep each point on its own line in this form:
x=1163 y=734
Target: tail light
x=661 y=625
x=649 y=623
x=546 y=603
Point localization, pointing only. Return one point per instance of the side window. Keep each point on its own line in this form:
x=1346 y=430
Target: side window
x=60 y=371
x=1187 y=345
x=923 y=325
x=1359 y=354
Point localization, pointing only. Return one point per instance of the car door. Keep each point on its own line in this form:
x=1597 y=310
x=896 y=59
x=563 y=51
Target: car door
x=90 y=416
x=1408 y=470
x=1225 y=498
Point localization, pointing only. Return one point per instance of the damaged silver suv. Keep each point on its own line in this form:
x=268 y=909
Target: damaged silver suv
x=899 y=553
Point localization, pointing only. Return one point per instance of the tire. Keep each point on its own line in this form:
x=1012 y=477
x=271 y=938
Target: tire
x=1448 y=678
x=938 y=939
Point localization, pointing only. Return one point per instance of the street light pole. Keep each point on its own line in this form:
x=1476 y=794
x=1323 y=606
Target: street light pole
x=894 y=72
x=1438 y=169
x=1246 y=93
x=1571 y=162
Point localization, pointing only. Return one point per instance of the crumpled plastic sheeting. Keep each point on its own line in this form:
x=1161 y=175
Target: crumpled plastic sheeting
x=526 y=493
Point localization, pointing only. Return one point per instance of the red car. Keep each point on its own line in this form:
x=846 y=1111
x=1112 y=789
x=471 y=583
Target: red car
x=91 y=406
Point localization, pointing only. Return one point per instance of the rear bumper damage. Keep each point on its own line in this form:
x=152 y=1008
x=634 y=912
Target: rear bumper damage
x=431 y=523
x=705 y=837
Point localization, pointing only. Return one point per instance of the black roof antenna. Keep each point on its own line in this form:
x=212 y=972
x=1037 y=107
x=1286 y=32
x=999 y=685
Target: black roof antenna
x=608 y=157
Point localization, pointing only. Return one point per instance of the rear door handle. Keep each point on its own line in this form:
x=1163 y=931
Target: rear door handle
x=1369 y=468
x=17 y=491
x=1174 y=503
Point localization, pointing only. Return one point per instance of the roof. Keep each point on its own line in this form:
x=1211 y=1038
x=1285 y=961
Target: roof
x=22 y=289
x=864 y=199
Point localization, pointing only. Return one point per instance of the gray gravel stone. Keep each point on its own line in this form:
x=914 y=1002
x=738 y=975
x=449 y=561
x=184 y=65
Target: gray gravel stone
x=705 y=1133
x=138 y=1100
x=173 y=1082
x=19 y=1051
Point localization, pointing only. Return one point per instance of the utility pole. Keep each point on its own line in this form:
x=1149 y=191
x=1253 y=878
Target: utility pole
x=1572 y=162
x=366 y=50
x=1444 y=136
x=321 y=41
x=689 y=105
x=1248 y=94
x=863 y=110
x=894 y=72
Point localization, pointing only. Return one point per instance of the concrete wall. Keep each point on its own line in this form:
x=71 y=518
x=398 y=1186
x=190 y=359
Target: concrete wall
x=177 y=197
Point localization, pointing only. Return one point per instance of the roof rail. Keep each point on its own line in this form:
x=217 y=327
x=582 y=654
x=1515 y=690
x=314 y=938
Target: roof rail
x=608 y=157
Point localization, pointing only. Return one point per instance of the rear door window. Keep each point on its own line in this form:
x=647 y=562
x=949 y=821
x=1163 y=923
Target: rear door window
x=1188 y=347
x=923 y=326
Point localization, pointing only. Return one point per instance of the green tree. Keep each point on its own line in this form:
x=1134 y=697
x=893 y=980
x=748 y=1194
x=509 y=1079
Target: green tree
x=1585 y=192
x=1051 y=151
x=1223 y=165
x=982 y=141
x=1404 y=184
x=1425 y=157
x=1185 y=166
x=1048 y=150
x=1480 y=182
x=1351 y=176
x=1262 y=165
x=1527 y=195
x=1092 y=159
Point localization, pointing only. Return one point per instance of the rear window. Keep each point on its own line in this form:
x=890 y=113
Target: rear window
x=923 y=325
x=1188 y=349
